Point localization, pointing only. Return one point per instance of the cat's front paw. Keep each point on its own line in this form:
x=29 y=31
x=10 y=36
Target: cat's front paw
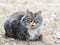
x=37 y=39
x=40 y=38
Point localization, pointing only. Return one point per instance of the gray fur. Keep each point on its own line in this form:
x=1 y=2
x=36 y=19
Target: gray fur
x=20 y=25
x=13 y=27
x=30 y=17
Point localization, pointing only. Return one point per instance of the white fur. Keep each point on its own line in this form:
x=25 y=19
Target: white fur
x=22 y=19
x=32 y=23
x=33 y=33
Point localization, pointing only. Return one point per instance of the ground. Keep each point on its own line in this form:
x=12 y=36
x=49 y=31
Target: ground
x=50 y=28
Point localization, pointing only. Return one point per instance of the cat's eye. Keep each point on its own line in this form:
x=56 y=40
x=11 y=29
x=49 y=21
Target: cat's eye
x=31 y=21
x=34 y=21
x=37 y=21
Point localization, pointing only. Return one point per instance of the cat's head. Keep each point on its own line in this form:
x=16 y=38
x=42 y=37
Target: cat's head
x=32 y=20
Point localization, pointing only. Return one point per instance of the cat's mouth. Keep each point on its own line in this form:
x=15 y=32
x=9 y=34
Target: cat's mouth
x=33 y=27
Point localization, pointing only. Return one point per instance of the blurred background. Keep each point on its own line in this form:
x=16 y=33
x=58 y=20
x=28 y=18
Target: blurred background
x=50 y=27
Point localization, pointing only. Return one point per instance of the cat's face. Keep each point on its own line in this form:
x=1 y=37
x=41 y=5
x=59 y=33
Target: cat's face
x=32 y=20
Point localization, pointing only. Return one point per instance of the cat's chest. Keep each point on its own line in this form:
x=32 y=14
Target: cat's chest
x=34 y=33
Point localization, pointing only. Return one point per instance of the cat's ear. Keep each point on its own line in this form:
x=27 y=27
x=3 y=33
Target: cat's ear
x=39 y=13
x=28 y=12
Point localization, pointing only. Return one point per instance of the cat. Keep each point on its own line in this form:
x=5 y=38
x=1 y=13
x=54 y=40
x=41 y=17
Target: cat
x=24 y=25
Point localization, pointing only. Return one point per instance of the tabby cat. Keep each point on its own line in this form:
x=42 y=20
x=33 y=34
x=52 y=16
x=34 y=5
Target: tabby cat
x=24 y=26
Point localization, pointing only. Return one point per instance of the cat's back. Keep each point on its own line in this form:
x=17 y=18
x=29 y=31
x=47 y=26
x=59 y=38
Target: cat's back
x=16 y=16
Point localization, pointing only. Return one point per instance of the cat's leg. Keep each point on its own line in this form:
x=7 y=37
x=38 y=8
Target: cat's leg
x=40 y=38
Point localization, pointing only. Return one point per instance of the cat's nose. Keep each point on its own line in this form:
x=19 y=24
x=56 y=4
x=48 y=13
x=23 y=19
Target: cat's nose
x=32 y=24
